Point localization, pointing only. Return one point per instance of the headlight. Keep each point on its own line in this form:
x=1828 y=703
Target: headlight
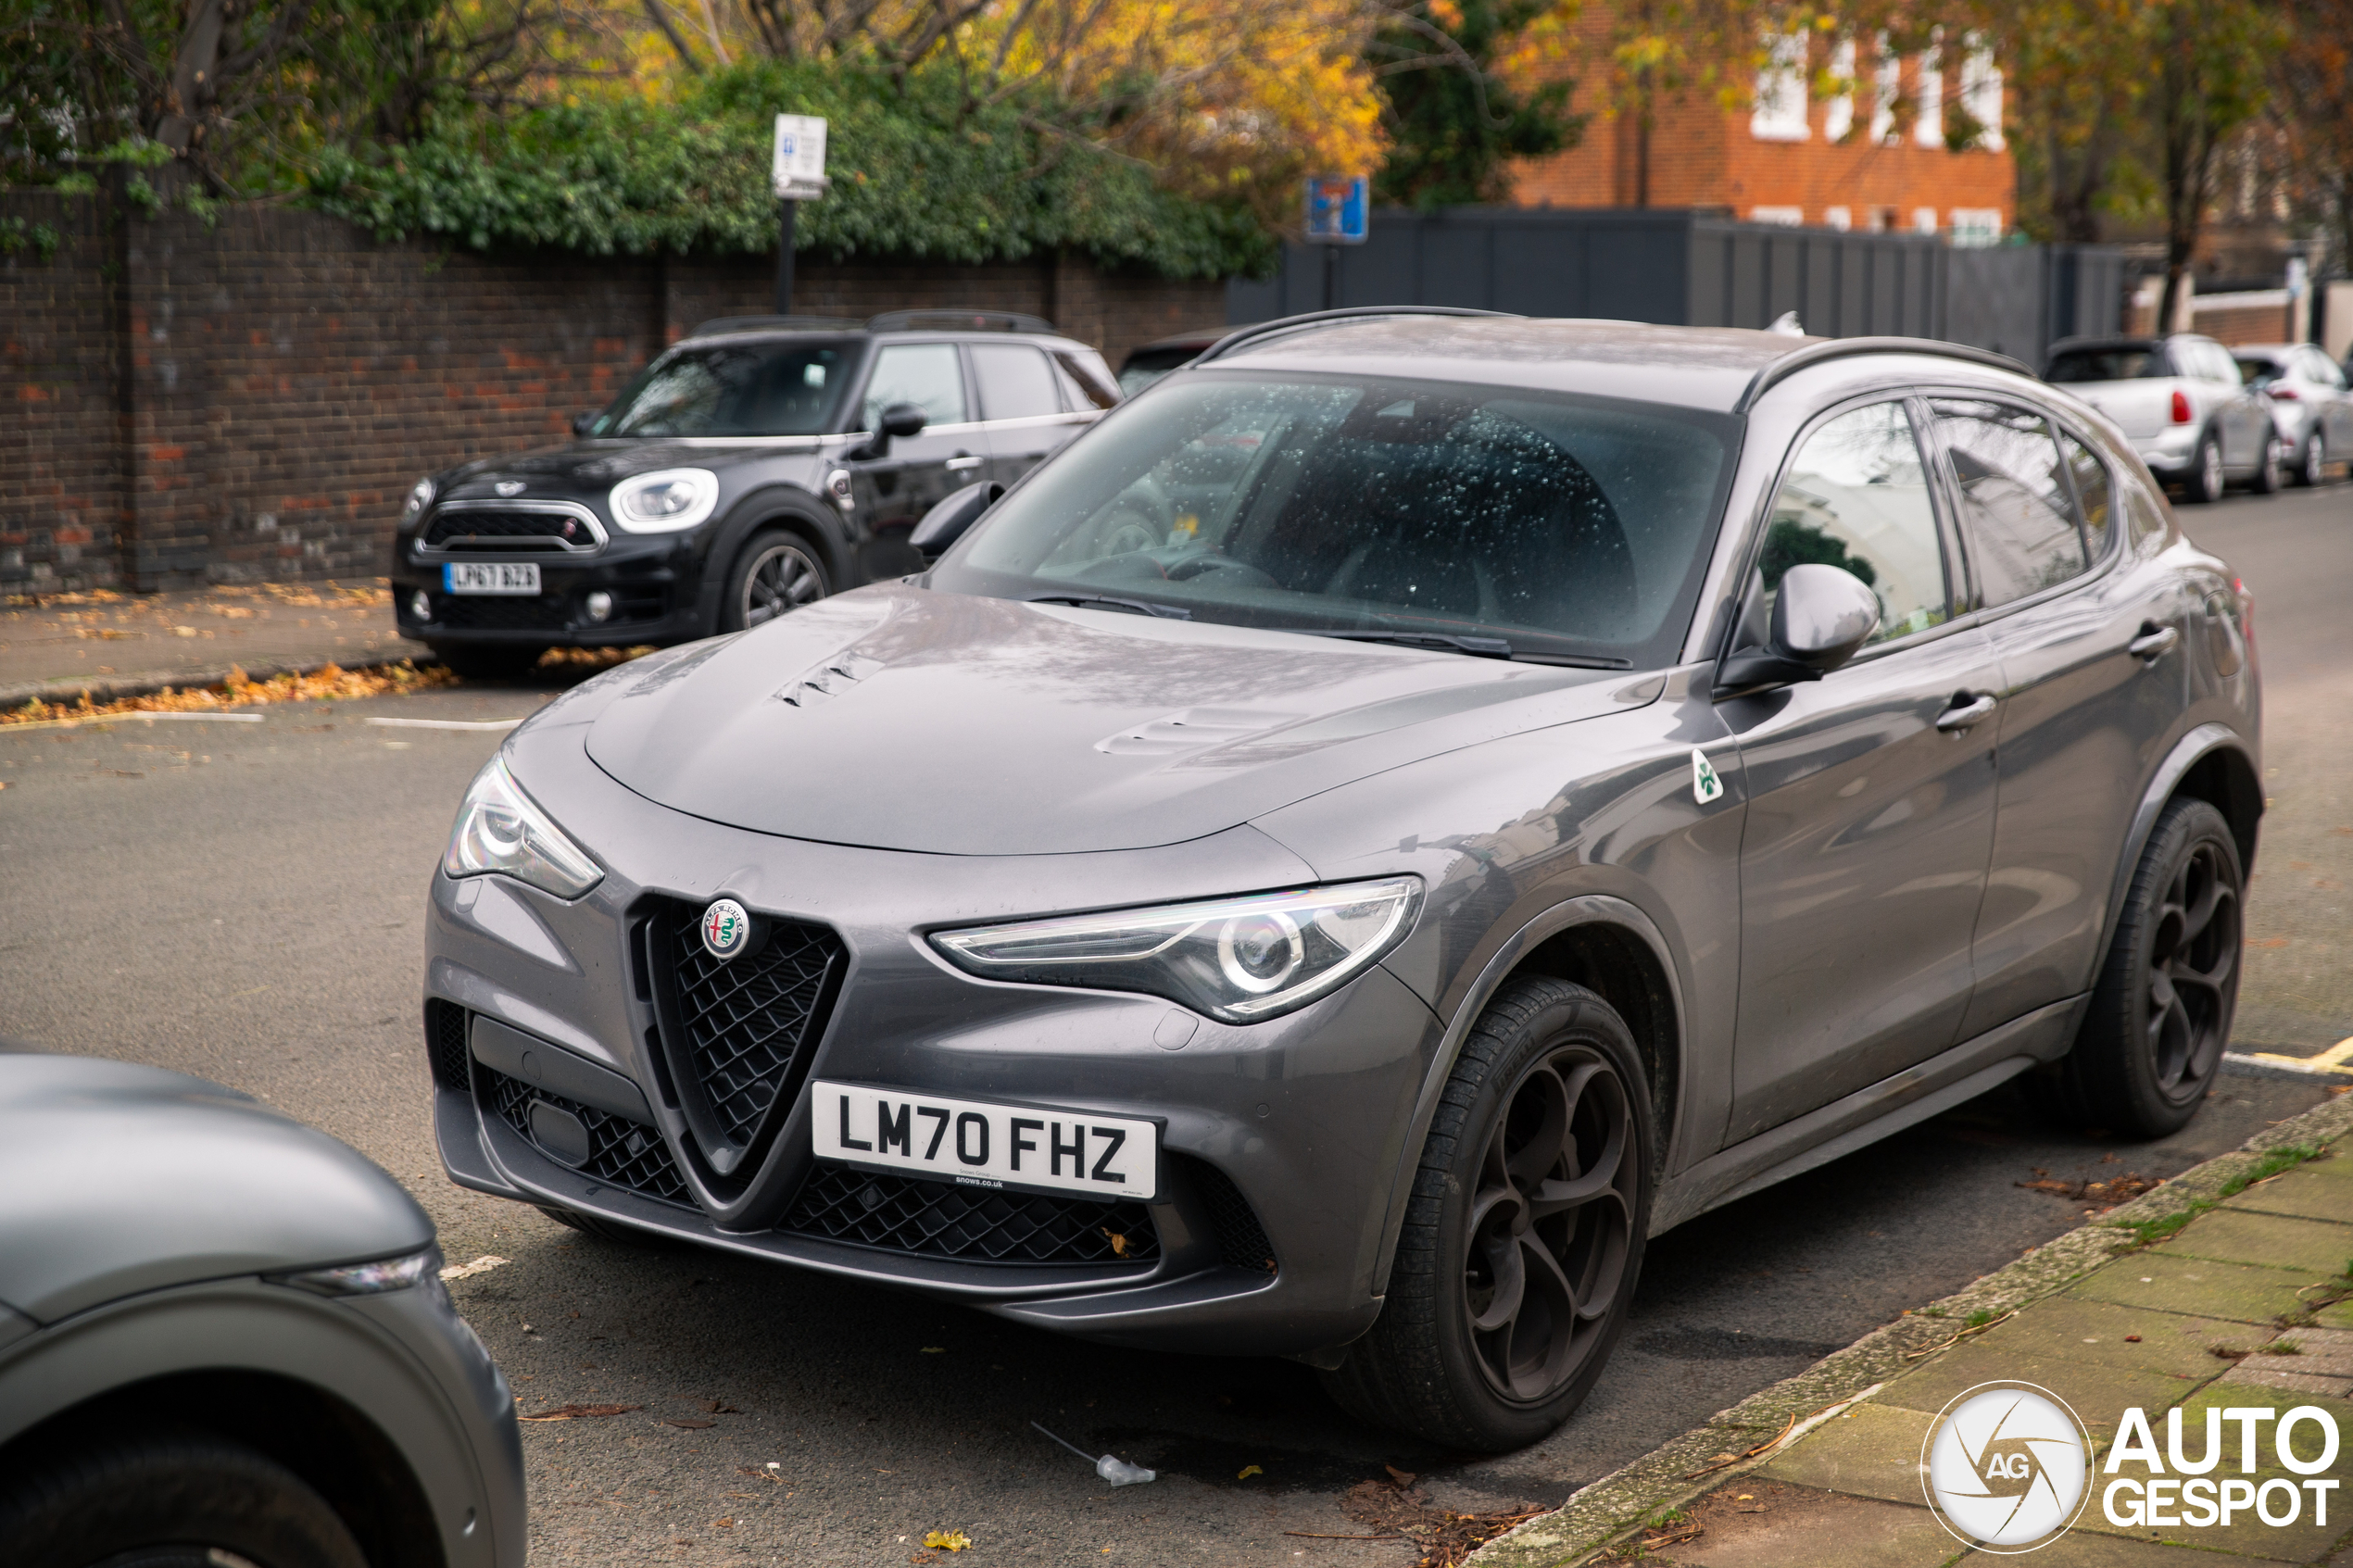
x=367 y=1279
x=1240 y=960
x=666 y=501
x=419 y=499
x=498 y=829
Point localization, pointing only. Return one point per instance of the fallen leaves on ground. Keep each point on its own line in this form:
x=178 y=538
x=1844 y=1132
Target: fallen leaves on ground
x=1446 y=1537
x=2107 y=1194
x=580 y=1412
x=947 y=1540
x=716 y=1407
x=331 y=683
x=1247 y=1471
x=481 y=1265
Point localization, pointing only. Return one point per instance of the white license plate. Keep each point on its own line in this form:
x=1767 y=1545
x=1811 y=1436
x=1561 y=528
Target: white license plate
x=978 y=1143
x=490 y=577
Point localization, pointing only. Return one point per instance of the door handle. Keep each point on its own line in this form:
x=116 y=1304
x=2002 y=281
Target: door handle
x=2153 y=644
x=959 y=464
x=1966 y=711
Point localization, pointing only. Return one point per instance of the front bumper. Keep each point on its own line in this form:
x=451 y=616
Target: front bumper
x=1280 y=1138
x=655 y=584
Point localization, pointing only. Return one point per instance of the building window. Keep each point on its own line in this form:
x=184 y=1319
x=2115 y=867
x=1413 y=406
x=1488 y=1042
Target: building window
x=1787 y=217
x=1780 y=113
x=1982 y=93
x=1838 y=218
x=1927 y=130
x=1924 y=219
x=1838 y=116
x=1886 y=89
x=1975 y=227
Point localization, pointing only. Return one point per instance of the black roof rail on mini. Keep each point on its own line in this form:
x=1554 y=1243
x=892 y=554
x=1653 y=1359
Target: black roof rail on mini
x=959 y=322
x=1349 y=313
x=774 y=324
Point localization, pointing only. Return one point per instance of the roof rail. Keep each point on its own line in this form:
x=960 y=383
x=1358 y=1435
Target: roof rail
x=1316 y=318
x=773 y=324
x=1814 y=354
x=958 y=321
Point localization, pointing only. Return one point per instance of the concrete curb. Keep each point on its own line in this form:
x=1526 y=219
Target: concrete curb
x=107 y=688
x=1596 y=1515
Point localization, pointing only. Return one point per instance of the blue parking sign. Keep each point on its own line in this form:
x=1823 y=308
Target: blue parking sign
x=1337 y=205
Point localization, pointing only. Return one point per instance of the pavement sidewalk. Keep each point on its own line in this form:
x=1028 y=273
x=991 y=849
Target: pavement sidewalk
x=55 y=647
x=2230 y=1286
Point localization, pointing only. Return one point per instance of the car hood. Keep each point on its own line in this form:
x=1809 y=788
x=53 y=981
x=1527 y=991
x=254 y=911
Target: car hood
x=117 y=1178
x=898 y=717
x=590 y=468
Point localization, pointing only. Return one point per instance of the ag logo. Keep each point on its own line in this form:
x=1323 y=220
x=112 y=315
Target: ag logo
x=726 y=929
x=2006 y=1466
x=1706 y=785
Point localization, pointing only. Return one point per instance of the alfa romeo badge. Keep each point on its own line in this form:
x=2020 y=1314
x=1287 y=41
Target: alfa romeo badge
x=726 y=928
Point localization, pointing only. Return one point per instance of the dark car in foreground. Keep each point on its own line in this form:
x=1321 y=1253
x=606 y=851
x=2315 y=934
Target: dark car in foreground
x=224 y=1341
x=1331 y=864
x=756 y=466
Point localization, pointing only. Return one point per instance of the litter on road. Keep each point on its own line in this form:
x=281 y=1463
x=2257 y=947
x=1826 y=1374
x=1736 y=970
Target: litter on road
x=1116 y=1471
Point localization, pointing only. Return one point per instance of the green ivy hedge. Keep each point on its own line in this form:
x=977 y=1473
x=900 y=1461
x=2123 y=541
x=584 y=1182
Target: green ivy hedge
x=912 y=179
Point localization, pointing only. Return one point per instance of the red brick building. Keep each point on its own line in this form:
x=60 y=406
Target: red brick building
x=1879 y=154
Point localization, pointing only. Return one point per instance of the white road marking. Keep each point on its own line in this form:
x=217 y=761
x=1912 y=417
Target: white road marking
x=446 y=723
x=149 y=718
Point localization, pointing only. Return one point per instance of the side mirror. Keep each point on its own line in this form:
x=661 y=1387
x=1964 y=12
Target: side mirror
x=1822 y=615
x=952 y=519
x=896 y=420
x=583 y=423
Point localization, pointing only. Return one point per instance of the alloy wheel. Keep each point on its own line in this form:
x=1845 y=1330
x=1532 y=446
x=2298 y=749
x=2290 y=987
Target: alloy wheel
x=1551 y=1224
x=780 y=579
x=2210 y=471
x=2192 y=973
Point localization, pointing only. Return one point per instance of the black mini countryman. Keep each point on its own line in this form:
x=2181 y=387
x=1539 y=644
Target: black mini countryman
x=756 y=466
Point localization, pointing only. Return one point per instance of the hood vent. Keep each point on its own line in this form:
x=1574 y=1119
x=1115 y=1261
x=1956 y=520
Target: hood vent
x=1196 y=729
x=829 y=680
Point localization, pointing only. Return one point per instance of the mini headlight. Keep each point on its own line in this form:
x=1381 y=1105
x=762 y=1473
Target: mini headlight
x=499 y=829
x=420 y=498
x=665 y=501
x=367 y=1279
x=1240 y=960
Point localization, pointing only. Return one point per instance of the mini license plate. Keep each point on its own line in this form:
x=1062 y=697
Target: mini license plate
x=978 y=1143
x=490 y=577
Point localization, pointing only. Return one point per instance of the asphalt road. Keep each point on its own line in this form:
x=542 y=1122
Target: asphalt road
x=243 y=901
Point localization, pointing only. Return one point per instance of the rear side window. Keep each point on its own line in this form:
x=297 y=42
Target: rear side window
x=1087 y=380
x=2095 y=496
x=1015 y=381
x=1857 y=497
x=926 y=375
x=2017 y=509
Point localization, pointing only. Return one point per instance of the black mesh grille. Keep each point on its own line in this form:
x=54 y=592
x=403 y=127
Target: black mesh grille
x=495 y=612
x=445 y=1043
x=980 y=1224
x=1240 y=1237
x=625 y=1153
x=510 y=532
x=742 y=1022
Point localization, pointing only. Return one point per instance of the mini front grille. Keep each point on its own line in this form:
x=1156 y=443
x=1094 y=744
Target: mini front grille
x=978 y=1225
x=625 y=1153
x=508 y=532
x=737 y=1030
x=494 y=612
x=1241 y=1238
x=445 y=1043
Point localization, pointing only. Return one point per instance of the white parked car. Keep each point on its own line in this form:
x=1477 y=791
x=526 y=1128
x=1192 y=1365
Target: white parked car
x=2183 y=405
x=2310 y=407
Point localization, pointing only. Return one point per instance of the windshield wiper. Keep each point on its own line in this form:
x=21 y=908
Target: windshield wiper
x=1482 y=647
x=1104 y=601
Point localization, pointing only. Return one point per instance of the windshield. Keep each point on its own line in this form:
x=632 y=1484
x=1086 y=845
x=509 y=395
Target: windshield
x=1493 y=519
x=2106 y=364
x=1147 y=365
x=2256 y=370
x=735 y=389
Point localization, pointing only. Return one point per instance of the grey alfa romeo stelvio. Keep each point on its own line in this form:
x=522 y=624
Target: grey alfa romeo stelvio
x=1410 y=807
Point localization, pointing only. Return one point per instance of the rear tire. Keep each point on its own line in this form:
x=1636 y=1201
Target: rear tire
x=2152 y=1042
x=487 y=661
x=2205 y=482
x=162 y=1500
x=1524 y=1234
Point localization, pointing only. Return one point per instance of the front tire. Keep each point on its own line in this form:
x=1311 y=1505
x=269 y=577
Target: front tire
x=169 y=1500
x=2151 y=1044
x=1524 y=1236
x=2205 y=482
x=2312 y=471
x=775 y=572
x=2268 y=479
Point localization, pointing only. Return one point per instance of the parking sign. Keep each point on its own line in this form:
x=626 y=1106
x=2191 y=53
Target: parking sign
x=799 y=170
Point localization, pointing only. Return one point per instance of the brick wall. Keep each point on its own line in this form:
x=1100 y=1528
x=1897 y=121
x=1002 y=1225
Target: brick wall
x=252 y=400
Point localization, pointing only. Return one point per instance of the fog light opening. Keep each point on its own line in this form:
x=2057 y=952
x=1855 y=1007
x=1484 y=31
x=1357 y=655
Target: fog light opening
x=420 y=605
x=598 y=605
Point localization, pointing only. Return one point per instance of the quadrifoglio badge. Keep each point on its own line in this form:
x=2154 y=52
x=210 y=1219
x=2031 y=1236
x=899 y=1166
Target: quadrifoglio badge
x=2008 y=1467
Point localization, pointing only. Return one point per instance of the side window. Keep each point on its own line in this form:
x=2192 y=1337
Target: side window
x=2016 y=512
x=1015 y=381
x=1857 y=497
x=924 y=373
x=2094 y=495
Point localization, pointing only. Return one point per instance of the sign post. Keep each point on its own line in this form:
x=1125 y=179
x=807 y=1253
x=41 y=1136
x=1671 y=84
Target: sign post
x=800 y=175
x=1338 y=206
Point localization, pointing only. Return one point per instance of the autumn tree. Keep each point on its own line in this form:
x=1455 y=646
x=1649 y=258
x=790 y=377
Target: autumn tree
x=2212 y=81
x=1452 y=118
x=2311 y=117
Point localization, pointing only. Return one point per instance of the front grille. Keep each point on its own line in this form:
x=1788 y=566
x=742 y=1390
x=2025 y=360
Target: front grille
x=496 y=612
x=445 y=1043
x=510 y=532
x=736 y=1029
x=621 y=1152
x=1241 y=1238
x=978 y=1225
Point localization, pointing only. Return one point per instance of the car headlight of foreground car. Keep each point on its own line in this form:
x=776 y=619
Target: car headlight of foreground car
x=665 y=501
x=1240 y=960
x=367 y=1279
x=498 y=829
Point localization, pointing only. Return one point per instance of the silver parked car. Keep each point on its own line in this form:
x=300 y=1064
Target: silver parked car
x=224 y=1342
x=1334 y=860
x=2309 y=404
x=2182 y=403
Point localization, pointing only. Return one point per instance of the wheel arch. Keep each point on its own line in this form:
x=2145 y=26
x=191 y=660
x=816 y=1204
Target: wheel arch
x=785 y=507
x=2212 y=763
